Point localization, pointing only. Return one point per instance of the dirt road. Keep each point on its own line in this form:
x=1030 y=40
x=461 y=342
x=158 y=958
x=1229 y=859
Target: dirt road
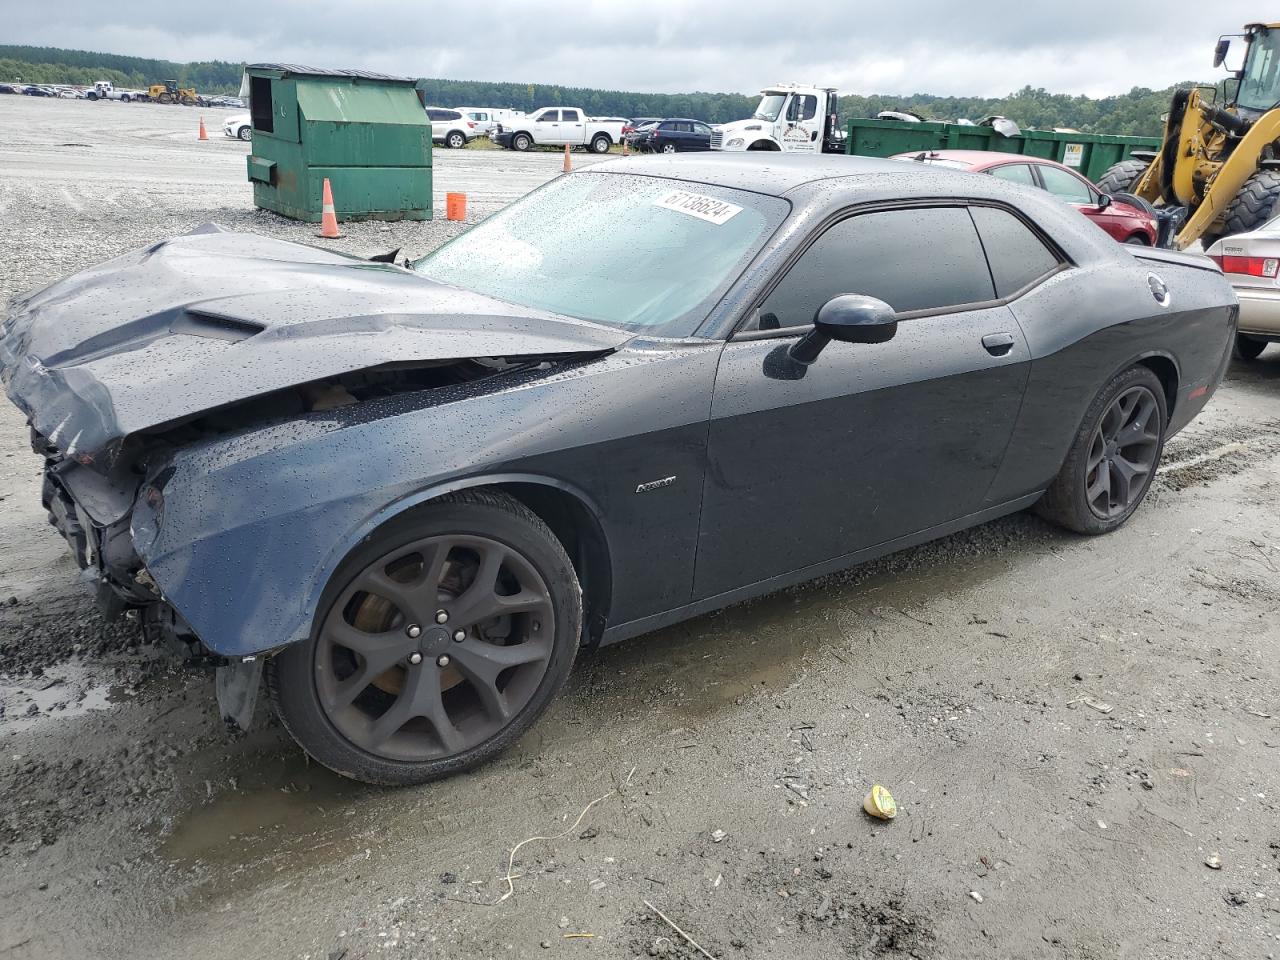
x=1072 y=727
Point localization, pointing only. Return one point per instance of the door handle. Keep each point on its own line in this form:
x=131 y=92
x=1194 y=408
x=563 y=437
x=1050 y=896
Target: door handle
x=998 y=344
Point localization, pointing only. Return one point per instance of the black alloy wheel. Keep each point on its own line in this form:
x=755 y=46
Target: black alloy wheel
x=1123 y=453
x=1113 y=458
x=446 y=637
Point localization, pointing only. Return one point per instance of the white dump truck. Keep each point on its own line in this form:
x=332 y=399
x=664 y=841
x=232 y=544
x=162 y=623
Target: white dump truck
x=790 y=118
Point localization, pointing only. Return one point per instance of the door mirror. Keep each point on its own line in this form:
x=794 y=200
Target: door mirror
x=1104 y=201
x=1220 y=52
x=849 y=318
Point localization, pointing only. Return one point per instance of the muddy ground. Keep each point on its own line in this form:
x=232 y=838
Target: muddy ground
x=1072 y=727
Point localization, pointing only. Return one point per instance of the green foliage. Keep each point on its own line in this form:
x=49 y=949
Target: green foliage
x=1136 y=113
x=55 y=65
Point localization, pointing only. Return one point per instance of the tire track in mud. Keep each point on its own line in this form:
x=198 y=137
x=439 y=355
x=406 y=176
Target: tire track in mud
x=1193 y=460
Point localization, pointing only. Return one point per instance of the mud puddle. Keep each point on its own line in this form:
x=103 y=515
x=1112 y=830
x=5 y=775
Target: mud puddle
x=61 y=692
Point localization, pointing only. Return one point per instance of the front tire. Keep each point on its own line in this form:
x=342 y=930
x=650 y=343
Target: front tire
x=521 y=142
x=1252 y=206
x=245 y=133
x=1247 y=347
x=438 y=642
x=1113 y=458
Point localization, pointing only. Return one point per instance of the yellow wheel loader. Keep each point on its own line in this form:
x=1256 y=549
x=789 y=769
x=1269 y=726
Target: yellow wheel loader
x=1217 y=172
x=170 y=92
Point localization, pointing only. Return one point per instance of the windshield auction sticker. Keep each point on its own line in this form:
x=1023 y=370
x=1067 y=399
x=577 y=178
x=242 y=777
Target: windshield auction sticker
x=696 y=205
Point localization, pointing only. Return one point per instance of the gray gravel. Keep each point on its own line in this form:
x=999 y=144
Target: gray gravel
x=734 y=750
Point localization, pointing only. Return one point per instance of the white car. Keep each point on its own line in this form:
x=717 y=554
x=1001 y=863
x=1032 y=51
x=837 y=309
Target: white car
x=450 y=127
x=239 y=126
x=1251 y=262
x=484 y=120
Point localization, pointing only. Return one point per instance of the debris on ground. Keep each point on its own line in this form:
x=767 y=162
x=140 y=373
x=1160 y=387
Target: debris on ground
x=880 y=804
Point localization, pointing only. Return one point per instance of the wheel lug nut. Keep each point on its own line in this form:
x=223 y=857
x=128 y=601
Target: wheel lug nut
x=442 y=616
x=442 y=660
x=459 y=636
x=415 y=658
x=413 y=631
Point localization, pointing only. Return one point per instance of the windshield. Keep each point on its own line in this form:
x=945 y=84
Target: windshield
x=642 y=253
x=1260 y=81
x=770 y=106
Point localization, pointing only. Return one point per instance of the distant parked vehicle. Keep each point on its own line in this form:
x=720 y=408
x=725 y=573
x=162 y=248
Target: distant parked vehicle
x=238 y=126
x=1124 y=219
x=105 y=90
x=8 y=88
x=1251 y=262
x=34 y=91
x=450 y=127
x=485 y=120
x=673 y=136
x=556 y=126
x=631 y=126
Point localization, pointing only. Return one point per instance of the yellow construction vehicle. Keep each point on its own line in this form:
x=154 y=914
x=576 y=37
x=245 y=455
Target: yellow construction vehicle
x=170 y=92
x=1219 y=163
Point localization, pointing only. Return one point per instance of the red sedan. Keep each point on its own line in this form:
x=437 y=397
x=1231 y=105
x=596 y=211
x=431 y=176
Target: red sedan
x=1127 y=223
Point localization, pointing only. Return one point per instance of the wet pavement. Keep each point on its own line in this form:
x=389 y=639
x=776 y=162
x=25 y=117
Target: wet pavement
x=1072 y=727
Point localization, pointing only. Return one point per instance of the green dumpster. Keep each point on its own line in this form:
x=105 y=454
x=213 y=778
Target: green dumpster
x=1089 y=153
x=365 y=132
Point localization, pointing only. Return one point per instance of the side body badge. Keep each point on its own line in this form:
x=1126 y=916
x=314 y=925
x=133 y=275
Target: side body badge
x=655 y=484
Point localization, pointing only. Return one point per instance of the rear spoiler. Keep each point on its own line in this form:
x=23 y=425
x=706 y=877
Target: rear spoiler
x=1183 y=259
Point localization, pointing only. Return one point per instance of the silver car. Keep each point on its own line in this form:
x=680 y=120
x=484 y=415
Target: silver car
x=1251 y=261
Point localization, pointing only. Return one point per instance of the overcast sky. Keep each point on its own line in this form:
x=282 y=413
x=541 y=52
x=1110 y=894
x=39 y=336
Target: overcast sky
x=960 y=47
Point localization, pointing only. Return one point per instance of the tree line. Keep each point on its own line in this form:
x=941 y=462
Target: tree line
x=1136 y=113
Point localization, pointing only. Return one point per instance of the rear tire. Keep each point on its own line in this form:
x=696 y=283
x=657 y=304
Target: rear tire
x=601 y=143
x=668 y=148
x=1123 y=429
x=1247 y=347
x=368 y=709
x=1119 y=177
x=455 y=140
x=1252 y=206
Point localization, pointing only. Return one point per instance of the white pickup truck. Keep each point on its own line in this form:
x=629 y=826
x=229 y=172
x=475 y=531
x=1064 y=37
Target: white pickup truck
x=556 y=126
x=104 y=90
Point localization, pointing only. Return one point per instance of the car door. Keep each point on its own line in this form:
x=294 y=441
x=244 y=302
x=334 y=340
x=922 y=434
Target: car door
x=573 y=127
x=546 y=127
x=870 y=443
x=1078 y=192
x=801 y=132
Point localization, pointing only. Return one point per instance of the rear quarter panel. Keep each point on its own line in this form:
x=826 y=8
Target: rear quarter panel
x=1089 y=323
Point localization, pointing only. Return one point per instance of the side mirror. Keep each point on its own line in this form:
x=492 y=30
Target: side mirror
x=1220 y=52
x=849 y=318
x=1104 y=201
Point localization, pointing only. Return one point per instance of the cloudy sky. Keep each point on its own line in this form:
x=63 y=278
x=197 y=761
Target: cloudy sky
x=976 y=47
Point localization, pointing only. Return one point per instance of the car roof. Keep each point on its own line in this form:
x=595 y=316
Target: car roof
x=769 y=173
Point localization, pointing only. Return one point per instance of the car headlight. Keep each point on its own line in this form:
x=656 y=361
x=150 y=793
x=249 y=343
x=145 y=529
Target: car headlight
x=735 y=142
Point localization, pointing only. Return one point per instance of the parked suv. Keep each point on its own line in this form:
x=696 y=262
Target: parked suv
x=671 y=136
x=1125 y=221
x=450 y=127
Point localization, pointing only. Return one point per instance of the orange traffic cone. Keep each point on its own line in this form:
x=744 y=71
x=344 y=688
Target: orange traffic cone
x=568 y=164
x=328 y=218
x=203 y=135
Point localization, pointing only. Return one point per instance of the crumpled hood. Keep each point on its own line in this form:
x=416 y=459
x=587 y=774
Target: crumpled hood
x=211 y=318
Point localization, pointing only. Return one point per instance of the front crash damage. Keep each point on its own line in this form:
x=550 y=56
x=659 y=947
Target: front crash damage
x=163 y=387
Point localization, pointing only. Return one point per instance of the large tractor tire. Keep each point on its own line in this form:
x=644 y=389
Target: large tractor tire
x=1121 y=176
x=1253 y=206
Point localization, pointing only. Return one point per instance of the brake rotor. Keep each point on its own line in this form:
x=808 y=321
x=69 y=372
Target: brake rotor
x=375 y=614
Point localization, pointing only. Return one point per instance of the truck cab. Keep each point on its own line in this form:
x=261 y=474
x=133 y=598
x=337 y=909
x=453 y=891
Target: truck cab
x=790 y=118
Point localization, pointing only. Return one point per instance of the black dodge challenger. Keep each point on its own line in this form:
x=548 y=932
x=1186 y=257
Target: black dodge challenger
x=645 y=391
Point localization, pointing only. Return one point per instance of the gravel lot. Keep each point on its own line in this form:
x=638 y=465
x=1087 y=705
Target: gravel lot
x=732 y=752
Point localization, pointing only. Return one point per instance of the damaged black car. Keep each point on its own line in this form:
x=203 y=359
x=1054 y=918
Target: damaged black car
x=401 y=498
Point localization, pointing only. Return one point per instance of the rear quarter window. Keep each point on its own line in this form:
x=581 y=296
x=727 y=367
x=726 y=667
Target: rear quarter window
x=1018 y=257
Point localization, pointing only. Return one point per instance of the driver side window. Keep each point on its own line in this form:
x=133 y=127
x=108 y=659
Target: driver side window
x=913 y=259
